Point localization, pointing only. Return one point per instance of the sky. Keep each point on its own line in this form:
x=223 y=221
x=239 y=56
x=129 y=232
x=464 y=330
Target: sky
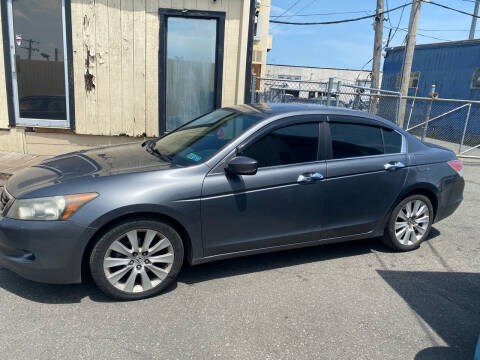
x=350 y=45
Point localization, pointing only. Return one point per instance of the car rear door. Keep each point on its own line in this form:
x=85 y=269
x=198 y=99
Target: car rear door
x=366 y=170
x=281 y=204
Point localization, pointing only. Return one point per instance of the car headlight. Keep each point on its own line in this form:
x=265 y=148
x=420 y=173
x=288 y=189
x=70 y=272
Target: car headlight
x=48 y=208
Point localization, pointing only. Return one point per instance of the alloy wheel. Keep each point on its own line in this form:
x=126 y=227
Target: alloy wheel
x=138 y=260
x=412 y=222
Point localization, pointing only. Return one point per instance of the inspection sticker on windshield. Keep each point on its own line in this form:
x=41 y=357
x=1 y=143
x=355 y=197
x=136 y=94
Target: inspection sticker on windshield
x=194 y=157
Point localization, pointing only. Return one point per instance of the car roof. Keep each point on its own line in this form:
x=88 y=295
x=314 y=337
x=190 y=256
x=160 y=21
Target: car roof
x=267 y=110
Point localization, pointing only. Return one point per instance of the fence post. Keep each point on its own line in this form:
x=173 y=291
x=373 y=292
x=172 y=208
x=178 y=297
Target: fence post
x=465 y=128
x=412 y=106
x=427 y=112
x=253 y=87
x=337 y=99
x=329 y=90
x=399 y=103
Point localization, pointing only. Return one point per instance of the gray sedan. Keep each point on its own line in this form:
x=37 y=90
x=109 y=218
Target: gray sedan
x=237 y=181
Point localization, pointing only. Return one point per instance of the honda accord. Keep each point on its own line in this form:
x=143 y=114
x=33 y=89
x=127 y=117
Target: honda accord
x=240 y=180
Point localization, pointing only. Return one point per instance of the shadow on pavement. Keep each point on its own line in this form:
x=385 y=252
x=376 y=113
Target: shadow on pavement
x=262 y=262
x=449 y=302
x=67 y=294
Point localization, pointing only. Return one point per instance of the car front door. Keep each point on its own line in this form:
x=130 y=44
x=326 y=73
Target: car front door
x=365 y=174
x=281 y=204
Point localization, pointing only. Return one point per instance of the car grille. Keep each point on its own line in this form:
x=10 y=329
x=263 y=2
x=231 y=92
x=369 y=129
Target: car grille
x=5 y=198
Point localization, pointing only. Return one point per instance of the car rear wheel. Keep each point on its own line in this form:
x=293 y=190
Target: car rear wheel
x=409 y=223
x=136 y=259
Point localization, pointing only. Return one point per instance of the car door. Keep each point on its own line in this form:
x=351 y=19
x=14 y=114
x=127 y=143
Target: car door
x=281 y=204
x=365 y=174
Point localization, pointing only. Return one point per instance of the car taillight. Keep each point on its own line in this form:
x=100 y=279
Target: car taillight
x=457 y=165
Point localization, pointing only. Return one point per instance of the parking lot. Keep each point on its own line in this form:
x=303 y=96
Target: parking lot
x=346 y=301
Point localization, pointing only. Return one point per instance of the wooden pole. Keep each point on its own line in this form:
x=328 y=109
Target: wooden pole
x=377 y=54
x=408 y=59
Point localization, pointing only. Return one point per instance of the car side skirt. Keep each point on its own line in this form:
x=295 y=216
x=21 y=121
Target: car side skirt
x=371 y=234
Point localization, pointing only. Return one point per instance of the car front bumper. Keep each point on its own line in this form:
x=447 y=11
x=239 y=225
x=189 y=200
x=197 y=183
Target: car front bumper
x=44 y=251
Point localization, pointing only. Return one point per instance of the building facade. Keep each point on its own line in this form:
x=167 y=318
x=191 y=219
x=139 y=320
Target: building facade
x=307 y=73
x=81 y=73
x=453 y=67
x=262 y=40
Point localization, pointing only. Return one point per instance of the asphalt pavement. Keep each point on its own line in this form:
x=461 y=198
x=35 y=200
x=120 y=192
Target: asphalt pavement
x=354 y=300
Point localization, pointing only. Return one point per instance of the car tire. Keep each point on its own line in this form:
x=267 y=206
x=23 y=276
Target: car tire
x=125 y=271
x=409 y=223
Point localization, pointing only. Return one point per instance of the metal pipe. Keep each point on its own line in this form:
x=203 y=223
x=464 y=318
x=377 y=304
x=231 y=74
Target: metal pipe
x=427 y=113
x=399 y=104
x=329 y=90
x=412 y=107
x=465 y=128
x=337 y=97
x=253 y=88
x=439 y=116
x=472 y=148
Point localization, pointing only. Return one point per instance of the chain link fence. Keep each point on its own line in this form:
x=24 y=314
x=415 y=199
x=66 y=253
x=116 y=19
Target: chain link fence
x=452 y=123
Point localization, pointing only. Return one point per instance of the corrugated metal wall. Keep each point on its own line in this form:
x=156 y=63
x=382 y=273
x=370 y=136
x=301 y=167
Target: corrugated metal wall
x=117 y=42
x=448 y=66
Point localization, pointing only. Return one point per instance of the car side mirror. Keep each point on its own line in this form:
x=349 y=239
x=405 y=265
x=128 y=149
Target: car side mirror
x=242 y=165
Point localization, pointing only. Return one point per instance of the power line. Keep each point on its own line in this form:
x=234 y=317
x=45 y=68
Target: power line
x=286 y=11
x=326 y=14
x=453 y=9
x=399 y=22
x=426 y=36
x=306 y=6
x=446 y=30
x=336 y=21
x=387 y=7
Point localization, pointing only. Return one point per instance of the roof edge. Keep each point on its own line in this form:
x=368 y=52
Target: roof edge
x=444 y=43
x=317 y=67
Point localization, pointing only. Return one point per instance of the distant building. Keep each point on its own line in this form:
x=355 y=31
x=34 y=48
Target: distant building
x=308 y=73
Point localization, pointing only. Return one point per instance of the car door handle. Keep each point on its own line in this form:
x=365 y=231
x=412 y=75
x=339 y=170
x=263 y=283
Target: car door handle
x=309 y=177
x=394 y=165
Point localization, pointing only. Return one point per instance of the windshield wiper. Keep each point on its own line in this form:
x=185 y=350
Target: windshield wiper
x=150 y=147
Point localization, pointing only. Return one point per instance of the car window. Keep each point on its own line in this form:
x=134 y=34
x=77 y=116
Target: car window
x=392 y=141
x=354 y=140
x=200 y=139
x=288 y=145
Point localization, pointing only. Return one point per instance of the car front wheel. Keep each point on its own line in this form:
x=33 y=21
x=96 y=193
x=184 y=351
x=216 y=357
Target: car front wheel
x=409 y=223
x=136 y=259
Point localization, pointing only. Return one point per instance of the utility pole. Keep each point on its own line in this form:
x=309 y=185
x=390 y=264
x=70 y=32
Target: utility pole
x=474 y=20
x=408 y=58
x=377 y=54
x=30 y=48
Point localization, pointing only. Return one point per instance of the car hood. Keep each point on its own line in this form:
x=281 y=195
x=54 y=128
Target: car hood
x=106 y=161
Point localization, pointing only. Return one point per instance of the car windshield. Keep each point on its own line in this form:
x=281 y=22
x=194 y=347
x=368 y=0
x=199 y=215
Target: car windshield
x=200 y=139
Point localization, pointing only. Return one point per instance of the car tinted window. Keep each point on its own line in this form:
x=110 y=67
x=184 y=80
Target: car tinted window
x=392 y=141
x=354 y=140
x=289 y=145
x=203 y=137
